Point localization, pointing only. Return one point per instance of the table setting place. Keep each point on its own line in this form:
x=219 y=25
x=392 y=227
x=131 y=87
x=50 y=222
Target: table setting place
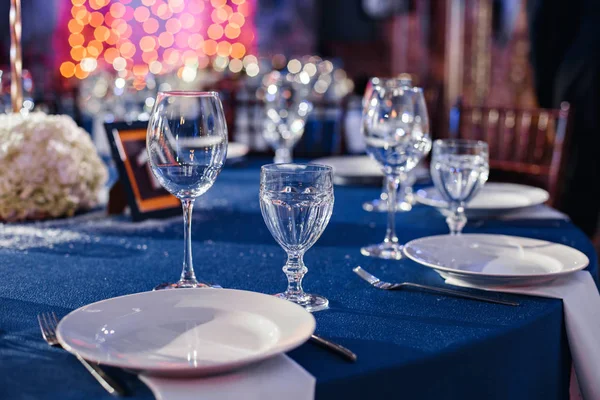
x=430 y=310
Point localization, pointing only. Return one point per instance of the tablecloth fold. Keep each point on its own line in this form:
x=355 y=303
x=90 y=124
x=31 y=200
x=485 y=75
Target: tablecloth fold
x=540 y=211
x=581 y=303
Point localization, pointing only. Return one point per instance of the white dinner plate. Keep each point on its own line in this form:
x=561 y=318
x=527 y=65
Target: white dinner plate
x=185 y=332
x=483 y=259
x=493 y=198
x=361 y=169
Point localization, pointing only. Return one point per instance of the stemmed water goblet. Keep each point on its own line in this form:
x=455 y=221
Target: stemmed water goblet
x=459 y=168
x=187 y=146
x=397 y=138
x=286 y=111
x=296 y=202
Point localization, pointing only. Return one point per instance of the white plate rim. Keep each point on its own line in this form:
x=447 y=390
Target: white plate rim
x=174 y=369
x=361 y=158
x=237 y=150
x=420 y=170
x=428 y=201
x=407 y=246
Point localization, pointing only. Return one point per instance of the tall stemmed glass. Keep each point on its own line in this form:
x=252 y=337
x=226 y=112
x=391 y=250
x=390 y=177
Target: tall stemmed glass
x=393 y=139
x=405 y=198
x=286 y=109
x=459 y=168
x=187 y=146
x=296 y=202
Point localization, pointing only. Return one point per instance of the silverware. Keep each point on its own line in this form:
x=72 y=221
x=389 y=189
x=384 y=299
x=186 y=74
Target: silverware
x=48 y=323
x=379 y=284
x=336 y=348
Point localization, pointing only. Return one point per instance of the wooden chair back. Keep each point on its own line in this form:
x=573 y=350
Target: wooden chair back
x=526 y=145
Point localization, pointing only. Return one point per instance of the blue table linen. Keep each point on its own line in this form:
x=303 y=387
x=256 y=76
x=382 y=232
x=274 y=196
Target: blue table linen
x=410 y=344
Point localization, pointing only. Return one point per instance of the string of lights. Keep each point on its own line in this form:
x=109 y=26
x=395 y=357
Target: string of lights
x=137 y=37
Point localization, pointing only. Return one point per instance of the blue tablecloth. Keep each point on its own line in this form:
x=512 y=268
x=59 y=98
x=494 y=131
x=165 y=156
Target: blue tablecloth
x=410 y=344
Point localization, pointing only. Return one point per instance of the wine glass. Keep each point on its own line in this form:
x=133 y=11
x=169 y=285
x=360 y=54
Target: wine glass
x=405 y=198
x=405 y=195
x=286 y=110
x=459 y=168
x=296 y=202
x=187 y=146
x=398 y=140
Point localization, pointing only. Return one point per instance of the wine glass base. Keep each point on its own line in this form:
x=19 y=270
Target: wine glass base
x=378 y=205
x=310 y=302
x=186 y=285
x=387 y=251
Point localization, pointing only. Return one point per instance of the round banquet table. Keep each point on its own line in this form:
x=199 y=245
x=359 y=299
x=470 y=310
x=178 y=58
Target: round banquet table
x=410 y=344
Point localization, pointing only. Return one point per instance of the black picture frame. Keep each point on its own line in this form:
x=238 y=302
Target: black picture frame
x=145 y=197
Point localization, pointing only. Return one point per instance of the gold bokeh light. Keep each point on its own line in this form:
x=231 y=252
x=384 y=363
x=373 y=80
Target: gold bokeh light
x=215 y=31
x=76 y=39
x=141 y=14
x=67 y=69
x=151 y=25
x=166 y=40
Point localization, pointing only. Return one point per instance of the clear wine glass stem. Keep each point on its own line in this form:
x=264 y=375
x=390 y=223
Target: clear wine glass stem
x=295 y=270
x=187 y=274
x=392 y=186
x=405 y=196
x=283 y=155
x=384 y=190
x=407 y=192
x=457 y=219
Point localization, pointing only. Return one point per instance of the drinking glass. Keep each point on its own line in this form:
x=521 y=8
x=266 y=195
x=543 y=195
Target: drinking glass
x=405 y=195
x=459 y=168
x=286 y=109
x=187 y=146
x=398 y=139
x=296 y=202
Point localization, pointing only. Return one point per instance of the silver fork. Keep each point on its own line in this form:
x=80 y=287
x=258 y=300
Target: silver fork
x=379 y=284
x=48 y=323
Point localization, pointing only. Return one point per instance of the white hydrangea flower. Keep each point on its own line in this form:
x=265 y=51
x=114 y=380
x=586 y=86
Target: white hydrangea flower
x=48 y=167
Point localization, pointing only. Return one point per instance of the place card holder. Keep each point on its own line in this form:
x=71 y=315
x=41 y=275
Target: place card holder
x=137 y=186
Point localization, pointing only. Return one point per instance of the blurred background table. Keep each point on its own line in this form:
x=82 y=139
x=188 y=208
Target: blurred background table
x=410 y=344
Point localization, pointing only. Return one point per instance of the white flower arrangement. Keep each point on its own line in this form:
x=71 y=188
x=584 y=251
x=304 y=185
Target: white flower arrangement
x=49 y=167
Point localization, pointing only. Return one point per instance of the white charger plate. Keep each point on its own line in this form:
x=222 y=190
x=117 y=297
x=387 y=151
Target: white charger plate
x=493 y=198
x=361 y=169
x=185 y=332
x=483 y=259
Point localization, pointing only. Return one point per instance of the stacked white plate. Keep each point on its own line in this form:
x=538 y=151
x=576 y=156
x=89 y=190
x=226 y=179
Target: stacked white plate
x=495 y=260
x=493 y=198
x=361 y=170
